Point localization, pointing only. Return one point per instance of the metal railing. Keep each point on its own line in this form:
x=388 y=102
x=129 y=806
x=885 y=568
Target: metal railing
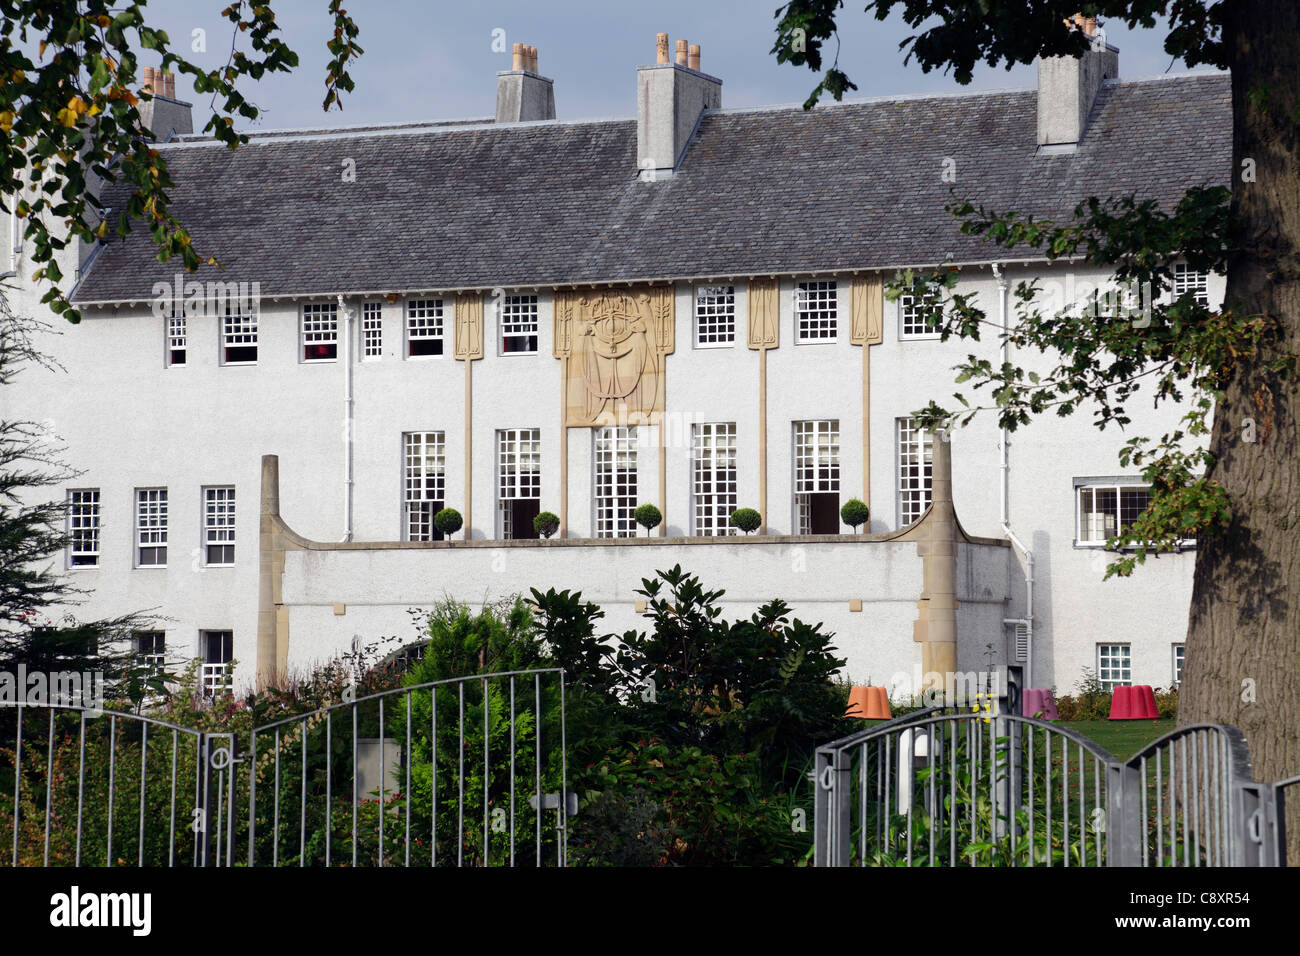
x=948 y=787
x=468 y=771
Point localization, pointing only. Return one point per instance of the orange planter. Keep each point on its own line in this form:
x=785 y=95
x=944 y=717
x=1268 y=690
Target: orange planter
x=869 y=702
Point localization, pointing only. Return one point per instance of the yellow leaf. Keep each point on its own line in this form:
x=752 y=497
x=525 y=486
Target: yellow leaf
x=7 y=120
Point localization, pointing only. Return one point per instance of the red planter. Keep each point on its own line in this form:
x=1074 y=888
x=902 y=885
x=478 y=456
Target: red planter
x=869 y=702
x=1134 y=703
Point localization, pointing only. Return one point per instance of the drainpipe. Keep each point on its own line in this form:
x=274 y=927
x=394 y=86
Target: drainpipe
x=1004 y=499
x=15 y=247
x=348 y=421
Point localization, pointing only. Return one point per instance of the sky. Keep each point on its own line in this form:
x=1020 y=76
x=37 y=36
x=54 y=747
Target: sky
x=435 y=60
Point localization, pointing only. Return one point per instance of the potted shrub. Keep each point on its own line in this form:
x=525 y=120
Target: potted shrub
x=448 y=521
x=648 y=516
x=855 y=513
x=546 y=524
x=746 y=519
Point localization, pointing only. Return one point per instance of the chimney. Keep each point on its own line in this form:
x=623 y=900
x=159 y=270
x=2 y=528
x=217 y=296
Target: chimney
x=165 y=115
x=523 y=95
x=1068 y=85
x=669 y=100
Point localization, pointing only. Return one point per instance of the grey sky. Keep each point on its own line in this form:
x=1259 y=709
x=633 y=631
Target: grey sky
x=435 y=60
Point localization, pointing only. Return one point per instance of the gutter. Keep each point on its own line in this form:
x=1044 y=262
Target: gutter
x=1004 y=468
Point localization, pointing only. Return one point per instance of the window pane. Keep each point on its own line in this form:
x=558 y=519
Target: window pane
x=714 y=475
x=816 y=307
x=616 y=484
x=424 y=327
x=715 y=315
x=519 y=323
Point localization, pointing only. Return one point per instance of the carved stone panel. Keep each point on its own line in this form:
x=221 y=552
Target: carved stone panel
x=866 y=310
x=764 y=313
x=469 y=327
x=616 y=342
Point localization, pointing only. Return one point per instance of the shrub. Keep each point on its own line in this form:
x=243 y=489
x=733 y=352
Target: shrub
x=546 y=524
x=746 y=519
x=448 y=521
x=648 y=516
x=854 y=513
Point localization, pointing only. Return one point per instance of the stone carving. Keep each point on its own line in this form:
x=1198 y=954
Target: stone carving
x=616 y=342
x=469 y=327
x=764 y=313
x=866 y=308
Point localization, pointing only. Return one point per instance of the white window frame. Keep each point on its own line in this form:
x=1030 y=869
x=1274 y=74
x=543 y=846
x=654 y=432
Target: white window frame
x=909 y=313
x=808 y=315
x=318 y=325
x=424 y=485
x=1115 y=659
x=154 y=656
x=427 y=317
x=1186 y=279
x=176 y=339
x=714 y=479
x=1178 y=660
x=218 y=523
x=150 y=525
x=715 y=316
x=519 y=472
x=216 y=673
x=239 y=330
x=913 y=470
x=816 y=449
x=1090 y=488
x=84 y=527
x=518 y=319
x=372 y=331
x=614 y=498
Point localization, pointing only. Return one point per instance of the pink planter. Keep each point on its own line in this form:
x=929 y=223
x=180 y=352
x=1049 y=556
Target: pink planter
x=1039 y=700
x=1134 y=703
x=869 y=702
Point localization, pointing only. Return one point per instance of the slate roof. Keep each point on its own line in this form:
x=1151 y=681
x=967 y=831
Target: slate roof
x=762 y=191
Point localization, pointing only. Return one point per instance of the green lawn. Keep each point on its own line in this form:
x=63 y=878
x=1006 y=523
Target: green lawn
x=1123 y=738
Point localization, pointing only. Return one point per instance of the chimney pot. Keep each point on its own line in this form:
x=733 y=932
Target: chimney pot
x=532 y=59
x=661 y=47
x=169 y=85
x=681 y=53
x=693 y=59
x=149 y=78
x=517 y=54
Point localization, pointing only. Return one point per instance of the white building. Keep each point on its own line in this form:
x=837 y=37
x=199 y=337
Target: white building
x=684 y=308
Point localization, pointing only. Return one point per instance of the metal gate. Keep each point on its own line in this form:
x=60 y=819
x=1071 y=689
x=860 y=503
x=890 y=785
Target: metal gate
x=949 y=787
x=469 y=771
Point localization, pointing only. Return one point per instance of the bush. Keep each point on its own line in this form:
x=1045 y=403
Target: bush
x=648 y=516
x=746 y=519
x=854 y=513
x=448 y=521
x=546 y=524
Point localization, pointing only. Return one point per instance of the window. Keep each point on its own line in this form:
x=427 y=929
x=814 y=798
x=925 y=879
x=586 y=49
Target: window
x=816 y=312
x=219 y=525
x=1188 y=280
x=426 y=489
x=615 y=498
x=912 y=308
x=1178 y=663
x=519 y=481
x=817 y=477
x=372 y=330
x=1107 y=510
x=83 y=528
x=151 y=648
x=177 y=339
x=217 y=648
x=915 y=461
x=423 y=327
x=320 y=332
x=1114 y=665
x=239 y=336
x=150 y=527
x=713 y=478
x=715 y=316
x=518 y=324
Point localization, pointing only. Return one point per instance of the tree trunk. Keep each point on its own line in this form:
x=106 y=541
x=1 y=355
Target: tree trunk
x=1243 y=639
